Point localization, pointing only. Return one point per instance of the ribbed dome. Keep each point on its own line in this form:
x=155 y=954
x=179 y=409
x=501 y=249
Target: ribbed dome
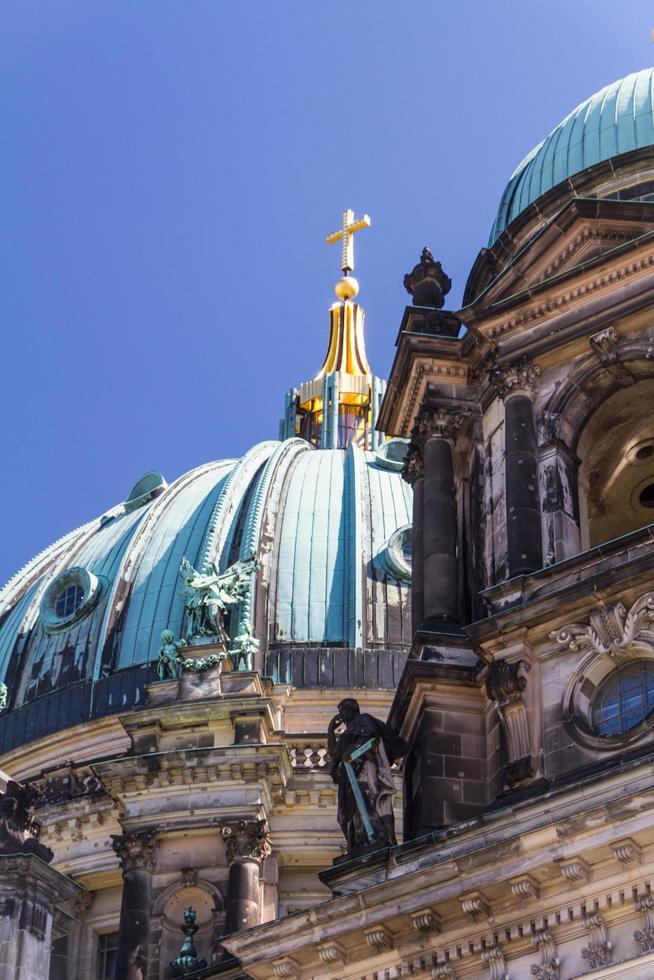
x=615 y=120
x=319 y=520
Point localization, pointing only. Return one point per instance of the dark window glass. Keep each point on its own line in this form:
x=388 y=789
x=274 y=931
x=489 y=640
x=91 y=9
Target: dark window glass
x=107 y=947
x=625 y=699
x=69 y=601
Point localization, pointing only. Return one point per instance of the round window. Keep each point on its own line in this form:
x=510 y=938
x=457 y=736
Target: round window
x=68 y=601
x=625 y=699
x=68 y=598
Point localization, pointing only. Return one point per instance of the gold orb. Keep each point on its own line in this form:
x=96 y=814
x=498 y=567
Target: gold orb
x=346 y=288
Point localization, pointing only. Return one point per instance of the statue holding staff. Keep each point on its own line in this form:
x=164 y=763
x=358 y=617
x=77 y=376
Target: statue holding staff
x=362 y=753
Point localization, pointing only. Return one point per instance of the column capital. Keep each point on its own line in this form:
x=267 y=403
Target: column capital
x=136 y=851
x=413 y=468
x=520 y=377
x=246 y=840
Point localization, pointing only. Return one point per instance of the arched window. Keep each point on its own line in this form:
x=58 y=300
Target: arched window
x=624 y=699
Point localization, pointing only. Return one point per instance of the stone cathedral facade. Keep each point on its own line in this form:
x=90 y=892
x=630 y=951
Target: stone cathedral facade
x=481 y=576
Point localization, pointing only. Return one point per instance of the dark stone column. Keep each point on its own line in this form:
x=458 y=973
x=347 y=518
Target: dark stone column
x=137 y=853
x=435 y=563
x=523 y=521
x=247 y=843
x=439 y=534
x=516 y=384
x=413 y=473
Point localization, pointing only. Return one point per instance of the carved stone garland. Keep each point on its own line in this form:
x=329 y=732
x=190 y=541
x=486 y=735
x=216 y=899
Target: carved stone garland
x=505 y=685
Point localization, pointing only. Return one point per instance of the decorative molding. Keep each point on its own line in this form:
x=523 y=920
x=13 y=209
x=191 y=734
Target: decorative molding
x=519 y=377
x=332 y=953
x=563 y=300
x=645 y=936
x=136 y=851
x=548 y=968
x=475 y=906
x=444 y=972
x=506 y=680
x=493 y=960
x=611 y=630
x=190 y=877
x=505 y=685
x=589 y=234
x=605 y=345
x=413 y=468
x=524 y=887
x=598 y=951
x=287 y=968
x=379 y=938
x=425 y=921
x=575 y=870
x=627 y=851
x=246 y=840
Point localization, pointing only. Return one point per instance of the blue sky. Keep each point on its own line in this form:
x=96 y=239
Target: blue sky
x=169 y=171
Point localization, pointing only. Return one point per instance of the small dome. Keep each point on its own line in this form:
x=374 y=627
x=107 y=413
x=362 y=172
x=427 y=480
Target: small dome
x=616 y=120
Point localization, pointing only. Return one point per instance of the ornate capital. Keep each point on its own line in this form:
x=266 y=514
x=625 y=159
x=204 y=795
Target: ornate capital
x=136 y=851
x=247 y=840
x=427 y=283
x=611 y=629
x=506 y=680
x=413 y=468
x=493 y=959
x=521 y=376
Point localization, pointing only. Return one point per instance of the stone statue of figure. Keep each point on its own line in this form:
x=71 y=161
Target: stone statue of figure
x=207 y=595
x=372 y=772
x=169 y=664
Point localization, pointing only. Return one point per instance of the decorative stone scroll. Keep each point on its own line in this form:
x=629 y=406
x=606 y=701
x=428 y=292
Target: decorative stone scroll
x=520 y=377
x=548 y=968
x=505 y=685
x=612 y=630
x=247 y=840
x=598 y=952
x=493 y=960
x=645 y=936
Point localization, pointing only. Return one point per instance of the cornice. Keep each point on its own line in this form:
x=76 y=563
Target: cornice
x=528 y=315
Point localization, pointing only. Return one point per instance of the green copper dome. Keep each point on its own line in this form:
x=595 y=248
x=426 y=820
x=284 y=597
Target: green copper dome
x=615 y=120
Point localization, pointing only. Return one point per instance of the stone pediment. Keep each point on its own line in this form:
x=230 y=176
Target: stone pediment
x=585 y=230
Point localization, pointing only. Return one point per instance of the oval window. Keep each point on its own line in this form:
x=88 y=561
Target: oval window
x=625 y=699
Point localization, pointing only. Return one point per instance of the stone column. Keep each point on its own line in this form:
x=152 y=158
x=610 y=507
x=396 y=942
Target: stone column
x=137 y=854
x=433 y=437
x=516 y=384
x=247 y=843
x=413 y=473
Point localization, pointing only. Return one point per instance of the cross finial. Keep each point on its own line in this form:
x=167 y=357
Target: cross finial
x=347 y=287
x=346 y=231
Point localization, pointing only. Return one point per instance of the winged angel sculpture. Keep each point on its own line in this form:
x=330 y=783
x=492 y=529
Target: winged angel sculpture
x=209 y=594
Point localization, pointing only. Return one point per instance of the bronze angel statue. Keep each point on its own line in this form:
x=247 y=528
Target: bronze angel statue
x=209 y=594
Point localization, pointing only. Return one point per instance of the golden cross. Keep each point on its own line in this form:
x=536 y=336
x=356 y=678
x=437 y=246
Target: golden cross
x=350 y=225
